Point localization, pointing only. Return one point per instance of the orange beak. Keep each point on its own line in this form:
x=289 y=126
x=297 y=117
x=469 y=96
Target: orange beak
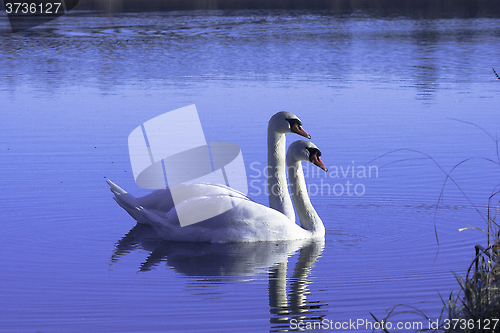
x=317 y=161
x=296 y=128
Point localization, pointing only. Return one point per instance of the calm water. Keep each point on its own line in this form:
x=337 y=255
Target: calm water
x=72 y=90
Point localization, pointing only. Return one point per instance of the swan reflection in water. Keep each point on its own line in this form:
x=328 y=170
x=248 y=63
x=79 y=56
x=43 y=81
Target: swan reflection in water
x=238 y=262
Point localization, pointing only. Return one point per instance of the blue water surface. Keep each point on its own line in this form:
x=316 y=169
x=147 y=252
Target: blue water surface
x=73 y=89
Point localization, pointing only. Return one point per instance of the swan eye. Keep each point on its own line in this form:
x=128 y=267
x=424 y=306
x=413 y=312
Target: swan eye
x=312 y=152
x=294 y=122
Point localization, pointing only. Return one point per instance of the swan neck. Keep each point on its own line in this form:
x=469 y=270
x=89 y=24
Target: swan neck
x=279 y=197
x=309 y=219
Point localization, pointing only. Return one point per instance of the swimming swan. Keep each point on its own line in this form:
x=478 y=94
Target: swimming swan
x=160 y=202
x=247 y=221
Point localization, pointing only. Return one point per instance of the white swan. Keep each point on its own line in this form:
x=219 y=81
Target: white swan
x=160 y=202
x=279 y=124
x=247 y=221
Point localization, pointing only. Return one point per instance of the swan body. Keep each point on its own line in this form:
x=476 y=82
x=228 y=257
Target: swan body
x=160 y=202
x=247 y=221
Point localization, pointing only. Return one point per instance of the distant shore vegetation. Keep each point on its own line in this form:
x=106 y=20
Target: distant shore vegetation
x=383 y=8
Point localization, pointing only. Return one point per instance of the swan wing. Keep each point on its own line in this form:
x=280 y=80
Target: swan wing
x=244 y=221
x=161 y=202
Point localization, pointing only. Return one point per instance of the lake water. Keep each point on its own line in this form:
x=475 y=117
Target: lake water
x=72 y=90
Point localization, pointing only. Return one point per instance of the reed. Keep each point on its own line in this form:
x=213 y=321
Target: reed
x=476 y=306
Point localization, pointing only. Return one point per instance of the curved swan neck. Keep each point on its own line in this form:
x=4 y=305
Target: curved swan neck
x=309 y=219
x=279 y=197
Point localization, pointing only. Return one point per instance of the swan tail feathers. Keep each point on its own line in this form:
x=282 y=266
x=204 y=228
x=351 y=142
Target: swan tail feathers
x=115 y=188
x=130 y=203
x=122 y=196
x=139 y=213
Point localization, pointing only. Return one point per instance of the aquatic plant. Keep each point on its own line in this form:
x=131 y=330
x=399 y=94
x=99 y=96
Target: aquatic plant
x=476 y=306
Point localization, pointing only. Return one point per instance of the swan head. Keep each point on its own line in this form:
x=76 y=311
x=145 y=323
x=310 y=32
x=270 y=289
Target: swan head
x=303 y=150
x=286 y=122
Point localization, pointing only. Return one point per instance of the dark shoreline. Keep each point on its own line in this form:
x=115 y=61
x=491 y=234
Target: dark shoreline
x=377 y=8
